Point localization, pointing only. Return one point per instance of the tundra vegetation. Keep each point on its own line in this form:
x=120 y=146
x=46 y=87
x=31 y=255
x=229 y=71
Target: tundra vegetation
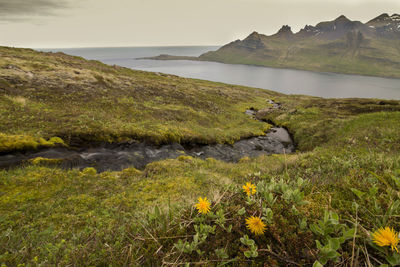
x=335 y=202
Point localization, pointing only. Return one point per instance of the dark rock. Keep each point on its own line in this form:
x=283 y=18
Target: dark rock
x=281 y=135
x=250 y=112
x=261 y=113
x=285 y=30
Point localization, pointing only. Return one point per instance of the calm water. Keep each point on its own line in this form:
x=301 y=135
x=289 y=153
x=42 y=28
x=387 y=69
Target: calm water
x=281 y=80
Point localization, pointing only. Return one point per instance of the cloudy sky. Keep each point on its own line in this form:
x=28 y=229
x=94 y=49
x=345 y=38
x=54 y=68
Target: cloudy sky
x=99 y=23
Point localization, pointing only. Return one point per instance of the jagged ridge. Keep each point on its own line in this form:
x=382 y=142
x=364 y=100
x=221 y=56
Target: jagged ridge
x=340 y=45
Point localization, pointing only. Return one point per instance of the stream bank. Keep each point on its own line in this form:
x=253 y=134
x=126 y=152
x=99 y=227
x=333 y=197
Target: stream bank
x=116 y=157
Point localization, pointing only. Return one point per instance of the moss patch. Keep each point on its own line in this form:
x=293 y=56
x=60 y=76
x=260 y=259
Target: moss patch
x=9 y=143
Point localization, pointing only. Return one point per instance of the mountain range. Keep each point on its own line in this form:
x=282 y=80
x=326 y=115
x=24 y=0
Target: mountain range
x=340 y=45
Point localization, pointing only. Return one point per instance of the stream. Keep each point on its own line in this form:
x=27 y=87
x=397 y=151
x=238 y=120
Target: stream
x=116 y=157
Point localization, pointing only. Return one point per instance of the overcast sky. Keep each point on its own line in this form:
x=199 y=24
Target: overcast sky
x=99 y=23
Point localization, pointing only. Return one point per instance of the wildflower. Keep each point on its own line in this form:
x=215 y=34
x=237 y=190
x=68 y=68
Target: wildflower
x=386 y=237
x=203 y=206
x=255 y=225
x=249 y=189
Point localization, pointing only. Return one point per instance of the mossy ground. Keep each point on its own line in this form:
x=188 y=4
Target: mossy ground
x=50 y=216
x=55 y=95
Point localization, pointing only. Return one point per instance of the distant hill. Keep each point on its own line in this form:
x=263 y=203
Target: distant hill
x=341 y=45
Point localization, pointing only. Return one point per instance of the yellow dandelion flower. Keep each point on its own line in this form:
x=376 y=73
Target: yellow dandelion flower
x=386 y=237
x=203 y=206
x=255 y=225
x=249 y=189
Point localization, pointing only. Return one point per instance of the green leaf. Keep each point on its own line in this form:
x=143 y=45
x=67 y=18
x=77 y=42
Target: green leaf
x=196 y=238
x=323 y=260
x=316 y=229
x=326 y=216
x=294 y=210
x=303 y=223
x=357 y=192
x=250 y=242
x=245 y=240
x=248 y=254
x=241 y=211
x=332 y=255
x=317 y=264
x=300 y=182
x=334 y=243
x=200 y=252
x=221 y=253
x=335 y=216
x=394 y=260
x=354 y=205
x=319 y=246
x=348 y=234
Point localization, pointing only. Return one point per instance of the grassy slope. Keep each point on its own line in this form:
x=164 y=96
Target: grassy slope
x=373 y=57
x=48 y=95
x=51 y=216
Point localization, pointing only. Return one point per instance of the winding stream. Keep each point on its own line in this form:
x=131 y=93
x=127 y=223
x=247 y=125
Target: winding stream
x=115 y=157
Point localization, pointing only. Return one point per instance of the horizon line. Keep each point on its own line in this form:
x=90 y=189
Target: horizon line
x=122 y=46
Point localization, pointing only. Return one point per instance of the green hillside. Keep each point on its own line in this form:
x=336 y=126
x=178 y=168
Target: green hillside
x=340 y=45
x=47 y=95
x=320 y=205
x=374 y=57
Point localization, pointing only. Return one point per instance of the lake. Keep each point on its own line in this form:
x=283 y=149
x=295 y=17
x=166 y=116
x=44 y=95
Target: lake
x=286 y=81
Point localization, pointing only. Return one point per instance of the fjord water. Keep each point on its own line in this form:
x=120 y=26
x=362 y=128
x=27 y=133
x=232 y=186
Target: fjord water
x=286 y=81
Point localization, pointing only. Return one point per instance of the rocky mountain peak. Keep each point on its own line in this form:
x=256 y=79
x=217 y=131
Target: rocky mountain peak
x=308 y=30
x=342 y=18
x=386 y=26
x=253 y=34
x=355 y=33
x=253 y=41
x=395 y=17
x=380 y=18
x=285 y=30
